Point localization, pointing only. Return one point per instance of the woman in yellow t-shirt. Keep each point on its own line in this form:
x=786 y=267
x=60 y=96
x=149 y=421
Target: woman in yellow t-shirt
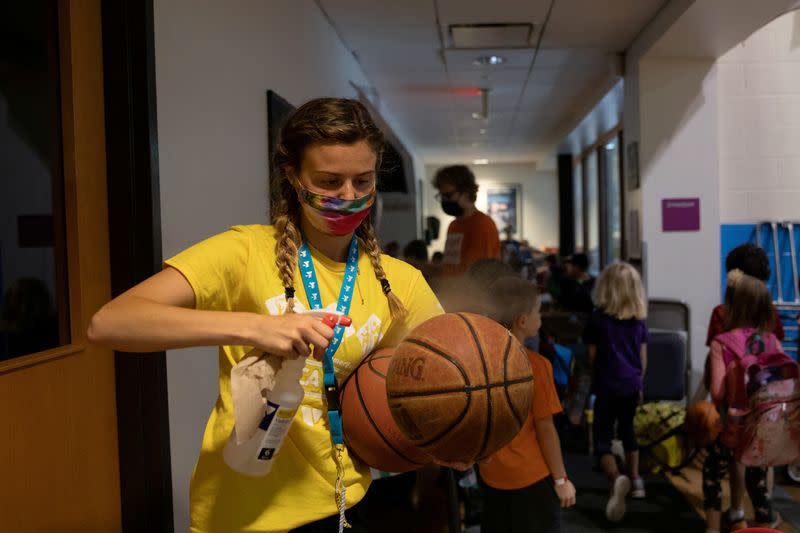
x=244 y=288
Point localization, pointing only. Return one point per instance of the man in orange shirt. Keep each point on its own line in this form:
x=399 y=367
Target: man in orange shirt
x=473 y=235
x=525 y=483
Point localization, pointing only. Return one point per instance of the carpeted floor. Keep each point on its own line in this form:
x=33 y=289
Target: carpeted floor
x=665 y=509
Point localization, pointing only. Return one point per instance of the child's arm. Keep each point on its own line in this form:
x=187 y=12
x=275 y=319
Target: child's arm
x=643 y=357
x=547 y=436
x=716 y=378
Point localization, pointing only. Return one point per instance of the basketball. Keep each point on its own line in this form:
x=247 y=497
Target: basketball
x=702 y=424
x=369 y=430
x=460 y=387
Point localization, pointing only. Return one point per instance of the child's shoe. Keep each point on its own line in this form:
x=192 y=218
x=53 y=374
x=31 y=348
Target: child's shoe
x=733 y=520
x=615 y=508
x=637 y=488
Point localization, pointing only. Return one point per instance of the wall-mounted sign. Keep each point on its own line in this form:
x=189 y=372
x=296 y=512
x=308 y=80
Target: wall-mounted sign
x=680 y=214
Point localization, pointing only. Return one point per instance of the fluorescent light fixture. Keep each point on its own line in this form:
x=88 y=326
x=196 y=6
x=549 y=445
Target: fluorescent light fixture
x=480 y=161
x=488 y=61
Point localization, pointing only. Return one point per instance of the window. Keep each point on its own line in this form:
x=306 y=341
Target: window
x=612 y=223
x=598 y=201
x=34 y=311
x=592 y=210
x=577 y=205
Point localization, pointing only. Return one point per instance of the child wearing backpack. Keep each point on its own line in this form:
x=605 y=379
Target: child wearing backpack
x=616 y=337
x=748 y=343
x=753 y=261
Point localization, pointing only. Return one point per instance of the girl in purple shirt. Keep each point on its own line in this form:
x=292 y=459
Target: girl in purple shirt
x=616 y=337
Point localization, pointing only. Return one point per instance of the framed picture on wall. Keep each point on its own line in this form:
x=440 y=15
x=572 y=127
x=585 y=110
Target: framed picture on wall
x=632 y=165
x=502 y=203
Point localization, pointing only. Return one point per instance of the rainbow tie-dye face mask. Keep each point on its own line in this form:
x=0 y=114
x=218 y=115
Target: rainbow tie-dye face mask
x=332 y=215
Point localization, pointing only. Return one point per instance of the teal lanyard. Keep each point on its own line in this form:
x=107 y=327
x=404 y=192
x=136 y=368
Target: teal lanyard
x=311 y=286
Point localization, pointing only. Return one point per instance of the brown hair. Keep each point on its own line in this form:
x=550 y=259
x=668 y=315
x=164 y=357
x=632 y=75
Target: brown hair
x=509 y=298
x=748 y=302
x=323 y=121
x=460 y=177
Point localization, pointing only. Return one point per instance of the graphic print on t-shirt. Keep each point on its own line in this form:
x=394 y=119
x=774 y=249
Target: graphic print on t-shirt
x=368 y=335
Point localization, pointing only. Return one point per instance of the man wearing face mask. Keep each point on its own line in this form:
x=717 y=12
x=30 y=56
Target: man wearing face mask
x=473 y=235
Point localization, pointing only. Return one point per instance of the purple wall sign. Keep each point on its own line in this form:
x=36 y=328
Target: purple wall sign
x=680 y=214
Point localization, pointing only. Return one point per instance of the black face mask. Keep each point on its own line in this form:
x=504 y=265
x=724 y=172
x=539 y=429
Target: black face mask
x=452 y=208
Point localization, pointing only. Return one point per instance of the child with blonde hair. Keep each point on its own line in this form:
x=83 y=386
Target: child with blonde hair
x=616 y=337
x=749 y=323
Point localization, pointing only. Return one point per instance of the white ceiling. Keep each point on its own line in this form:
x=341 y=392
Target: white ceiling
x=535 y=98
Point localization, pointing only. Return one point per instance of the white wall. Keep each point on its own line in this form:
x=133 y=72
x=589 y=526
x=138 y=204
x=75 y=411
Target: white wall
x=539 y=199
x=759 y=124
x=678 y=113
x=214 y=64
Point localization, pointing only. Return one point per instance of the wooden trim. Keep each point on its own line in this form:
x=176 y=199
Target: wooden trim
x=40 y=357
x=70 y=169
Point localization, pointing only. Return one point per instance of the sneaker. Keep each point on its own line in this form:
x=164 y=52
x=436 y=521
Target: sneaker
x=637 y=488
x=615 y=508
x=733 y=520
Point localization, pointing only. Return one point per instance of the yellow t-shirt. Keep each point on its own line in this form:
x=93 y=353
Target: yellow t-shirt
x=235 y=271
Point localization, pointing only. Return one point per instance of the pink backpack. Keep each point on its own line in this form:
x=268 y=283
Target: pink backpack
x=762 y=422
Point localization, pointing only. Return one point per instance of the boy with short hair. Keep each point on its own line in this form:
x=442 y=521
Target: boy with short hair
x=527 y=475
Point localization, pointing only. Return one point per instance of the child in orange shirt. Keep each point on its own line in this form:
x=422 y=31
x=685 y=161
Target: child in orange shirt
x=525 y=483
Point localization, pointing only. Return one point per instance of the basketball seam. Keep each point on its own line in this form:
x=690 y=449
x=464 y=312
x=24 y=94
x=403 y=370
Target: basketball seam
x=506 y=382
x=467 y=383
x=485 y=442
x=369 y=364
x=471 y=388
x=375 y=426
x=442 y=354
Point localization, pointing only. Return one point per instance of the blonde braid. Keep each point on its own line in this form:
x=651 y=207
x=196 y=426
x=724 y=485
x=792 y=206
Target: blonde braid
x=286 y=247
x=370 y=243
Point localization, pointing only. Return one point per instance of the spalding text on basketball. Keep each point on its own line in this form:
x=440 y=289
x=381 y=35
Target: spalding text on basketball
x=412 y=368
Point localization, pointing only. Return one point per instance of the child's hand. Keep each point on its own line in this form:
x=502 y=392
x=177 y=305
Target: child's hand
x=566 y=494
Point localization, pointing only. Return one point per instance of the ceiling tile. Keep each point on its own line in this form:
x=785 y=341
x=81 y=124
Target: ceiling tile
x=608 y=24
x=473 y=12
x=347 y=14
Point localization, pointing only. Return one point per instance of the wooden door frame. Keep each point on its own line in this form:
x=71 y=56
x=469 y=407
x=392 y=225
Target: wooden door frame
x=135 y=253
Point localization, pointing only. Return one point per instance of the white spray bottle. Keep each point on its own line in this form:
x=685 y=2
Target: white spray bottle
x=255 y=456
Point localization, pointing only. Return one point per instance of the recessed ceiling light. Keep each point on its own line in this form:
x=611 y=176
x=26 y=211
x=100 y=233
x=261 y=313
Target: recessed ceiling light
x=611 y=146
x=480 y=161
x=476 y=116
x=490 y=61
x=483 y=131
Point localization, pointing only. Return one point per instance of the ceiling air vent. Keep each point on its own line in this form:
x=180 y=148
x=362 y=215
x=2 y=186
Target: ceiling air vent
x=512 y=35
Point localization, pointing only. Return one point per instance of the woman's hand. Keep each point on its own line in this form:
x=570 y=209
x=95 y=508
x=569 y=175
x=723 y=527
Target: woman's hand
x=293 y=335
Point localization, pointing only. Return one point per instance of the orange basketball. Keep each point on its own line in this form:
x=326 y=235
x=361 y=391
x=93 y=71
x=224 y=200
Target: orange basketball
x=460 y=387
x=702 y=424
x=369 y=430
